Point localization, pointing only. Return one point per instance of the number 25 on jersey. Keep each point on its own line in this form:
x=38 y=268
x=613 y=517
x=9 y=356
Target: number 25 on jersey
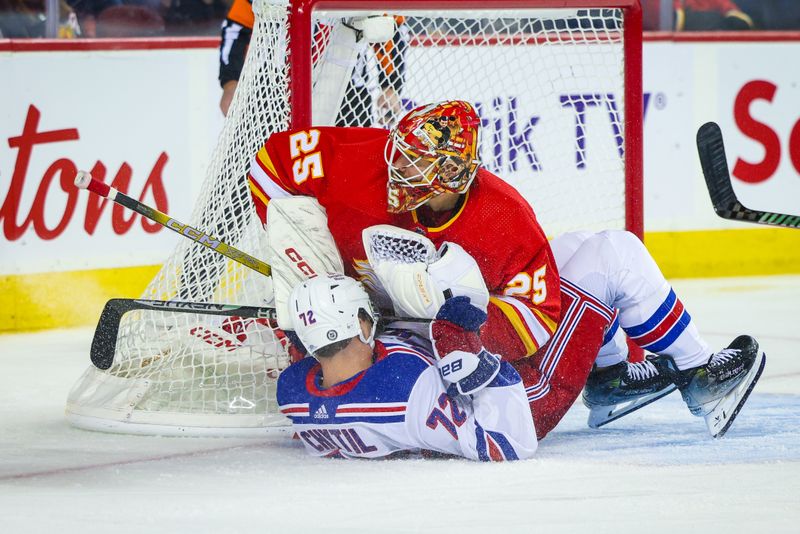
x=525 y=285
x=306 y=160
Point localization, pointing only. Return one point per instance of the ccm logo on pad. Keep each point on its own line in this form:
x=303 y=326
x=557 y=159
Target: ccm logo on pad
x=301 y=264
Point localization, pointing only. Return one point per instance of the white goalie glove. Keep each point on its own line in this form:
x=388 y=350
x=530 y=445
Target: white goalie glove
x=417 y=277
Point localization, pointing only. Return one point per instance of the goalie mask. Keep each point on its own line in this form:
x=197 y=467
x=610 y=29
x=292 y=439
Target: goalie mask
x=432 y=150
x=325 y=311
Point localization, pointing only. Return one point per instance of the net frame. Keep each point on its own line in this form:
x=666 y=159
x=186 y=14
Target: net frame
x=109 y=400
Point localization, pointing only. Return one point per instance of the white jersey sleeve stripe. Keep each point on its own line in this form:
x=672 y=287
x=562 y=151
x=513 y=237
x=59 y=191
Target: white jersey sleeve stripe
x=270 y=187
x=539 y=332
x=295 y=409
x=365 y=410
x=404 y=350
x=373 y=407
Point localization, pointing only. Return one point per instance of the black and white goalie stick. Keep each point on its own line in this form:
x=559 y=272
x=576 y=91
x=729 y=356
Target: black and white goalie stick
x=711 y=149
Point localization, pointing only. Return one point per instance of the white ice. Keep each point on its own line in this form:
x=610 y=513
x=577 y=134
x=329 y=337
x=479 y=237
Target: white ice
x=654 y=471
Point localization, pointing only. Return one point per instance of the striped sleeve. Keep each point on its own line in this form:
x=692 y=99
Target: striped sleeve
x=237 y=29
x=531 y=325
x=267 y=179
x=524 y=314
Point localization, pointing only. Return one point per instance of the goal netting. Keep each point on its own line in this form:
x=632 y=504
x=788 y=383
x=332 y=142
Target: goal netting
x=557 y=85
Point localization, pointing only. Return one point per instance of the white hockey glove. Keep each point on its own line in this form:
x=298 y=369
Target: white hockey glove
x=457 y=274
x=467 y=373
x=417 y=277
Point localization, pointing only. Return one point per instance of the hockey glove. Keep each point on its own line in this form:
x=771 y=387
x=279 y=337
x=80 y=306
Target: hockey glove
x=464 y=365
x=466 y=373
x=416 y=276
x=456 y=327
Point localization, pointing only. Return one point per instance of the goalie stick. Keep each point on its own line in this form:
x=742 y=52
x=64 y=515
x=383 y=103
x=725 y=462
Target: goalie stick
x=84 y=180
x=104 y=343
x=711 y=149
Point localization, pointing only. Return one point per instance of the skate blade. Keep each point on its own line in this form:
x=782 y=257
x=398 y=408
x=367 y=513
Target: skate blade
x=602 y=415
x=720 y=419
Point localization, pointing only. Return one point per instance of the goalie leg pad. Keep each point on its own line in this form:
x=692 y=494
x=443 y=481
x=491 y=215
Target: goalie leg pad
x=300 y=247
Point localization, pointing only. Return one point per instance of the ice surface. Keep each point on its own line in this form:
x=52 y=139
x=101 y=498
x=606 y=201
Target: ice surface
x=654 y=471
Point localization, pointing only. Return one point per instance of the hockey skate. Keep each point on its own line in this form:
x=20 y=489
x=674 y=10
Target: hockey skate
x=717 y=390
x=626 y=387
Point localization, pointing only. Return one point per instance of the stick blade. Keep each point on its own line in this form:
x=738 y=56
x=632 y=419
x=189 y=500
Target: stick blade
x=104 y=343
x=711 y=150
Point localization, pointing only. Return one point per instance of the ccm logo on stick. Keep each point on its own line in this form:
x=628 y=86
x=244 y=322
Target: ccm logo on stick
x=298 y=260
x=193 y=233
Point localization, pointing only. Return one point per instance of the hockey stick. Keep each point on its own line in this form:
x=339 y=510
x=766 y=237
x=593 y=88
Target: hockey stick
x=104 y=343
x=715 y=170
x=84 y=180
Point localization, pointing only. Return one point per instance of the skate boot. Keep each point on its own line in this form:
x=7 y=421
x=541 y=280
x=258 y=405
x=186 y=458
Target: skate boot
x=625 y=387
x=717 y=390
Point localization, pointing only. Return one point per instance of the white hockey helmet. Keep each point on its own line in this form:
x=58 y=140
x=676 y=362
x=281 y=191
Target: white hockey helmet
x=325 y=310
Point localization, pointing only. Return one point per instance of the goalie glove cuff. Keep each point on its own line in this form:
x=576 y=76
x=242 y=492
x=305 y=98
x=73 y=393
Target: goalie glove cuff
x=456 y=273
x=412 y=290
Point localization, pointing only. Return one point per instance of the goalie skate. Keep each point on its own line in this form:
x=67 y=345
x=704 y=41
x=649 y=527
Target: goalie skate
x=626 y=387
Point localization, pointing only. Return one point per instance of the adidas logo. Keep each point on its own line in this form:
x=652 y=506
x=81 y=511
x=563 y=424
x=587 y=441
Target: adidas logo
x=321 y=413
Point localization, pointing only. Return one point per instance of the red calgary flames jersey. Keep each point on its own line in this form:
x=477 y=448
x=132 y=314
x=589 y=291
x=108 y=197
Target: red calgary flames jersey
x=345 y=170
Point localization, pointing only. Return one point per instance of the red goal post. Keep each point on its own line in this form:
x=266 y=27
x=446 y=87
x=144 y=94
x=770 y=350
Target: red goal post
x=301 y=50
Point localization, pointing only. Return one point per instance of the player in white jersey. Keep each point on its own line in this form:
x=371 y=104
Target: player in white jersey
x=367 y=397
x=617 y=269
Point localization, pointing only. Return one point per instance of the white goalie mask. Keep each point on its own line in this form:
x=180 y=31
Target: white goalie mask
x=325 y=310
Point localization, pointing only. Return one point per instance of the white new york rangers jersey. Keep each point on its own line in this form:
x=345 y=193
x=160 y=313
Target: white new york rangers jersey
x=400 y=404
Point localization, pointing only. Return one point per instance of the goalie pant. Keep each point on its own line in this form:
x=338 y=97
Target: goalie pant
x=400 y=405
x=556 y=374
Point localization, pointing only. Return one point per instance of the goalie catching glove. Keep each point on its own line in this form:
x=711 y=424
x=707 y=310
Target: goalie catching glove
x=464 y=365
x=417 y=277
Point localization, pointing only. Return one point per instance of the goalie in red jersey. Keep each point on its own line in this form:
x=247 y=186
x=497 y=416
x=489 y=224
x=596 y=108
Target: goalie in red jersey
x=442 y=226
x=436 y=188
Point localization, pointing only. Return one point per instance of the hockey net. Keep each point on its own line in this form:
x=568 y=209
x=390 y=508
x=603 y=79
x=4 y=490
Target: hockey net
x=558 y=89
